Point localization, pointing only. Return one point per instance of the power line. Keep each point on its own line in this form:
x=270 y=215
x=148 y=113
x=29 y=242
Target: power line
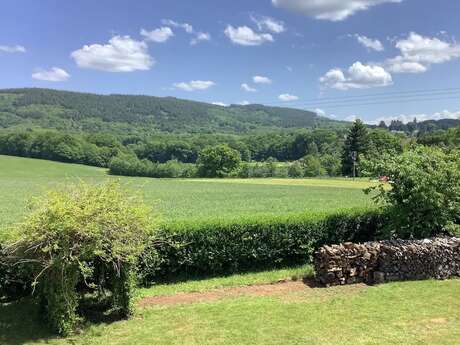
x=369 y=97
x=383 y=98
x=390 y=102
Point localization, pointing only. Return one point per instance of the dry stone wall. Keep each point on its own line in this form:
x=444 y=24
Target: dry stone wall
x=378 y=262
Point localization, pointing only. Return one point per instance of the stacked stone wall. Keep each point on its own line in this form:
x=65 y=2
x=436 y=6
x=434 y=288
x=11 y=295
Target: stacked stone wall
x=378 y=262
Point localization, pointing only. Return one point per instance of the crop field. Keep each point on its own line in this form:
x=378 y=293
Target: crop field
x=183 y=199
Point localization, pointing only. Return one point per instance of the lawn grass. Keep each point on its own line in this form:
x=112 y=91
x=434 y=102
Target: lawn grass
x=184 y=199
x=244 y=279
x=409 y=313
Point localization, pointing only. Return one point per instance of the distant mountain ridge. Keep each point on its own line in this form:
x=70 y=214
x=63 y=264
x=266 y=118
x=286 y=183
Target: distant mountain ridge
x=75 y=111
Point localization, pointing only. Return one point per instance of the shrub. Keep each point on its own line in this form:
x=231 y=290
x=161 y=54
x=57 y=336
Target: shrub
x=84 y=234
x=129 y=165
x=312 y=167
x=219 y=247
x=332 y=164
x=218 y=161
x=295 y=170
x=424 y=197
x=262 y=169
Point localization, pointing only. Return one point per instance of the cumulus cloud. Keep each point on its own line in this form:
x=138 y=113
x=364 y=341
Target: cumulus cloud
x=12 y=49
x=400 y=65
x=53 y=74
x=405 y=118
x=334 y=10
x=194 y=85
x=245 y=103
x=358 y=76
x=418 y=53
x=121 y=54
x=248 y=88
x=369 y=43
x=258 y=79
x=285 y=97
x=199 y=36
x=158 y=35
x=221 y=104
x=245 y=36
x=268 y=24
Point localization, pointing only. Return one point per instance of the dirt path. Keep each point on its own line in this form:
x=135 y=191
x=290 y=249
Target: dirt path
x=275 y=289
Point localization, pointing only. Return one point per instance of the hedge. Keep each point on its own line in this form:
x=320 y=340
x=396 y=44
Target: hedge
x=187 y=250
x=224 y=247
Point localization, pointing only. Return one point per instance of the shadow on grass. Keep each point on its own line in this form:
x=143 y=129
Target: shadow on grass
x=97 y=311
x=21 y=322
x=184 y=277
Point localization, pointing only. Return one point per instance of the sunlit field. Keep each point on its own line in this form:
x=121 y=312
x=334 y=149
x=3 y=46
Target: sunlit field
x=183 y=199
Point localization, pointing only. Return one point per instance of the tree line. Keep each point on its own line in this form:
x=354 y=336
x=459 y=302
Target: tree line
x=289 y=153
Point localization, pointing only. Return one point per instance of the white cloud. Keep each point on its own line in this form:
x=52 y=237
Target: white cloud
x=405 y=118
x=194 y=85
x=245 y=103
x=369 y=43
x=321 y=112
x=285 y=97
x=401 y=65
x=358 y=76
x=158 y=35
x=53 y=74
x=200 y=37
x=222 y=104
x=352 y=118
x=121 y=54
x=248 y=88
x=12 y=49
x=188 y=28
x=245 y=36
x=429 y=50
x=418 y=53
x=334 y=10
x=261 y=80
x=268 y=24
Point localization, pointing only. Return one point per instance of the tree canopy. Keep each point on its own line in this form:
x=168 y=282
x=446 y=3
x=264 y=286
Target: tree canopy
x=218 y=161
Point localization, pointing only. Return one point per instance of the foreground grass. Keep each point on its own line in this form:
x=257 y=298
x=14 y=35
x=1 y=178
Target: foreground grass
x=186 y=199
x=420 y=312
x=244 y=279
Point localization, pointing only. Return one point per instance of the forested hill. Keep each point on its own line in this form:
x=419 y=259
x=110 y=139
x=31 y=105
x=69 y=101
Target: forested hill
x=73 y=111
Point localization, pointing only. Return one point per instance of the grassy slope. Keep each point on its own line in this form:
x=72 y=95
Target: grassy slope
x=422 y=312
x=21 y=178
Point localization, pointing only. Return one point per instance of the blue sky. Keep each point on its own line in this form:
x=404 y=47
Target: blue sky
x=346 y=58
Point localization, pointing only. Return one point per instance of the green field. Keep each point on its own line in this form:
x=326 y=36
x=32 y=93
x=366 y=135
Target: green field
x=247 y=308
x=183 y=199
